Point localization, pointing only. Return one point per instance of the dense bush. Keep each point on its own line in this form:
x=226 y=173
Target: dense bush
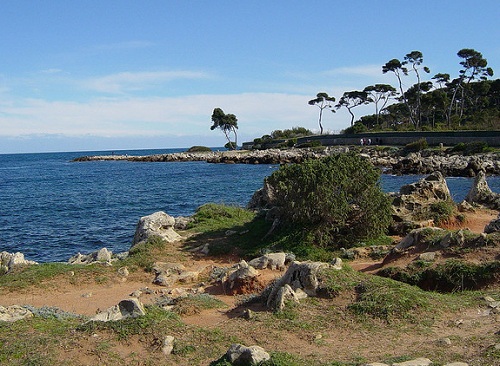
x=418 y=145
x=199 y=149
x=470 y=148
x=338 y=199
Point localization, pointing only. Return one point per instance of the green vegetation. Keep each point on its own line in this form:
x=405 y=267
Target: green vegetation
x=194 y=304
x=144 y=254
x=24 y=277
x=337 y=199
x=199 y=149
x=471 y=148
x=227 y=123
x=450 y=276
x=281 y=138
x=442 y=211
x=152 y=326
x=415 y=146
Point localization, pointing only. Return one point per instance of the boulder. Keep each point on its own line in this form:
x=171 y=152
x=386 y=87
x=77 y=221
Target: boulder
x=181 y=222
x=414 y=237
x=102 y=255
x=414 y=200
x=243 y=280
x=262 y=199
x=14 y=313
x=270 y=260
x=168 y=345
x=129 y=308
x=300 y=276
x=481 y=193
x=157 y=224
x=167 y=274
x=239 y=354
x=493 y=226
x=10 y=260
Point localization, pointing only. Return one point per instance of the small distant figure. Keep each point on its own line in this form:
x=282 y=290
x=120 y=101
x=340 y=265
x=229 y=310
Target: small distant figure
x=362 y=142
x=369 y=141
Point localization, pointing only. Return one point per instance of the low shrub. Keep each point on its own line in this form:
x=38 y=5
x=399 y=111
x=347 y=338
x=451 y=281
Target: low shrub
x=450 y=276
x=415 y=146
x=199 y=149
x=471 y=148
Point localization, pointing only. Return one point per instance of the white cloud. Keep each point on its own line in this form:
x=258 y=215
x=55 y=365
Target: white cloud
x=127 y=81
x=182 y=116
x=373 y=71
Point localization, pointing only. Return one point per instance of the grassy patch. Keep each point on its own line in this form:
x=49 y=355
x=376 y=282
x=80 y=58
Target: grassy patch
x=144 y=254
x=153 y=325
x=194 y=304
x=450 y=276
x=27 y=276
x=35 y=341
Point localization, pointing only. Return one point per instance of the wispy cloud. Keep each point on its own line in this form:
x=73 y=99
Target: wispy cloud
x=360 y=70
x=130 y=81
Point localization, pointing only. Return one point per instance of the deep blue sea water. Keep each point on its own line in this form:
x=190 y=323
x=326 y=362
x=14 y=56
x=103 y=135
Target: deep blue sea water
x=52 y=208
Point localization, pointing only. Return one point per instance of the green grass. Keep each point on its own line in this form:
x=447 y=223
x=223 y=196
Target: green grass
x=35 y=341
x=26 y=276
x=450 y=276
x=155 y=323
x=194 y=304
x=144 y=254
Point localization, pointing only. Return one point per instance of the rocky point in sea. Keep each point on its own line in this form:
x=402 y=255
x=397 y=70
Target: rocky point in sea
x=391 y=160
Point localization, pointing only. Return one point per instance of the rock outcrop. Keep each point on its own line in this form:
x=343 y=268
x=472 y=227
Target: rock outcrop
x=157 y=224
x=242 y=279
x=480 y=193
x=14 y=313
x=102 y=256
x=393 y=161
x=272 y=261
x=239 y=354
x=167 y=274
x=413 y=201
x=493 y=226
x=129 y=308
x=10 y=260
x=299 y=281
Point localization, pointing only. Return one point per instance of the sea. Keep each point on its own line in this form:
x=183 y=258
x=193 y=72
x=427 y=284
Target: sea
x=52 y=208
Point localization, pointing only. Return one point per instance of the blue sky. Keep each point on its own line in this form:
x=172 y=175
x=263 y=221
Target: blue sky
x=91 y=75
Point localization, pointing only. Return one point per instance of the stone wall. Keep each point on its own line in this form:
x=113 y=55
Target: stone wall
x=447 y=138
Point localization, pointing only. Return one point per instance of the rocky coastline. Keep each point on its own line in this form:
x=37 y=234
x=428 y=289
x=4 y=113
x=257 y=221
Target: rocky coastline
x=294 y=281
x=389 y=160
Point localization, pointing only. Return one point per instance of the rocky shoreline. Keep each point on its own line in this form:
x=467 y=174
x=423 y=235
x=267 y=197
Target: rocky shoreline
x=293 y=282
x=390 y=160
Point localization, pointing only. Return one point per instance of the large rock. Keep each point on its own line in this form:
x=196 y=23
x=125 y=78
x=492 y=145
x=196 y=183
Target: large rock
x=167 y=274
x=301 y=277
x=493 y=226
x=10 y=260
x=102 y=255
x=270 y=260
x=244 y=279
x=157 y=224
x=239 y=354
x=129 y=308
x=413 y=200
x=481 y=193
x=14 y=313
x=262 y=199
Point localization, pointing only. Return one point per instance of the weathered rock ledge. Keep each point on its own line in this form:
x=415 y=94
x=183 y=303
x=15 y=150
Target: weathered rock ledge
x=390 y=160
